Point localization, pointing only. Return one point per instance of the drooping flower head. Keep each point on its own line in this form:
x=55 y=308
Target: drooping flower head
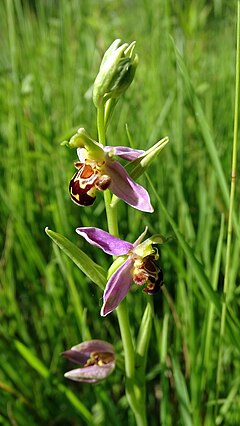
x=96 y=358
x=98 y=170
x=138 y=264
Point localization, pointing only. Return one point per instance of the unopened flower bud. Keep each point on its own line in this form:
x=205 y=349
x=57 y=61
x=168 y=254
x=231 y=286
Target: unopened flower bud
x=116 y=72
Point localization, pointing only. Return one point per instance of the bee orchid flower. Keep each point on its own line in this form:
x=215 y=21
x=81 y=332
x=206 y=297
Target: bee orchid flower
x=137 y=264
x=98 y=170
x=96 y=359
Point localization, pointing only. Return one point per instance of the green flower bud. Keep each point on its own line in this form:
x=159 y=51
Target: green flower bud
x=116 y=72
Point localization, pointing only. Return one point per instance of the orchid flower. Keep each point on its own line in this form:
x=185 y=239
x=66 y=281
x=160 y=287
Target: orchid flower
x=97 y=170
x=96 y=358
x=137 y=264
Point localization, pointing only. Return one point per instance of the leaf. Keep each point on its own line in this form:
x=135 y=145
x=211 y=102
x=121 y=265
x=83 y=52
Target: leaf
x=182 y=392
x=31 y=359
x=91 y=269
x=143 y=338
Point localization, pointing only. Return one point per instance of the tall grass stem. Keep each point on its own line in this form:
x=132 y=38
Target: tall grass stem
x=226 y=285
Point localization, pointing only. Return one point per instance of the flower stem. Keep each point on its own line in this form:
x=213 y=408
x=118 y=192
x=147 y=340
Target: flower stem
x=100 y=125
x=132 y=389
x=111 y=213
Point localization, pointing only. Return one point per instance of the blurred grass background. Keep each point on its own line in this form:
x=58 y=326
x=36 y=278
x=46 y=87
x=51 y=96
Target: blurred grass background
x=184 y=88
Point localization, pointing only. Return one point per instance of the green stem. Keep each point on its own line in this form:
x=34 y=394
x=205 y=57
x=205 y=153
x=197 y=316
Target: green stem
x=111 y=213
x=123 y=320
x=137 y=404
x=226 y=287
x=234 y=162
x=100 y=125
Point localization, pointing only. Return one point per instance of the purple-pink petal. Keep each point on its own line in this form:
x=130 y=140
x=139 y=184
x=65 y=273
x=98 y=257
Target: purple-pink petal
x=82 y=352
x=105 y=241
x=81 y=152
x=76 y=356
x=124 y=152
x=125 y=188
x=117 y=287
x=94 y=345
x=90 y=374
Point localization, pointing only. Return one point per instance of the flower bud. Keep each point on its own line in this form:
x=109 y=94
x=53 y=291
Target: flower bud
x=116 y=72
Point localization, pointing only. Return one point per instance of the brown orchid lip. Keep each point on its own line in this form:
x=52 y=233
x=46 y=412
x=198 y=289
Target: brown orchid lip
x=149 y=273
x=154 y=284
x=103 y=182
x=86 y=181
x=81 y=194
x=82 y=185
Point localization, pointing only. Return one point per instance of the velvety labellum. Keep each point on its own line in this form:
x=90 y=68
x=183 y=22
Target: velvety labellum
x=82 y=189
x=147 y=272
x=155 y=276
x=84 y=183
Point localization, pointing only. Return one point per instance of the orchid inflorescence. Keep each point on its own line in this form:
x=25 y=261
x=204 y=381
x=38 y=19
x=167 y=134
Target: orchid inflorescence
x=99 y=170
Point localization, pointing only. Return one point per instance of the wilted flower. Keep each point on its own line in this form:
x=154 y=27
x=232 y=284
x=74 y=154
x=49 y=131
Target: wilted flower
x=138 y=264
x=96 y=358
x=97 y=170
x=116 y=72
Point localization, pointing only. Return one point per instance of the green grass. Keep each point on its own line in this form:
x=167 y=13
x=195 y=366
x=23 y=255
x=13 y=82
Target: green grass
x=184 y=88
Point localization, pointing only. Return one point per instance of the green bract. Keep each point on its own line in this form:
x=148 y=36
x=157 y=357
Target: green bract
x=138 y=166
